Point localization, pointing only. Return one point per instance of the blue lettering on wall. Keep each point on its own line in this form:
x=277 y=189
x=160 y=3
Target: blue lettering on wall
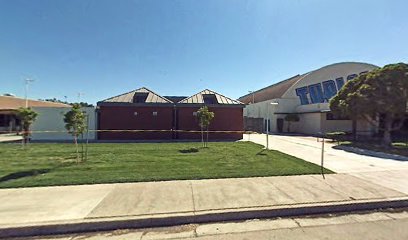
x=329 y=89
x=322 y=92
x=316 y=93
x=351 y=76
x=340 y=82
x=302 y=94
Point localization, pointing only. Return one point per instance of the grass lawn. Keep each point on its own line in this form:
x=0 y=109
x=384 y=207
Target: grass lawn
x=49 y=164
x=399 y=148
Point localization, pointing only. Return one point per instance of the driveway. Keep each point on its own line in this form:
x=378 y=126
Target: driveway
x=384 y=169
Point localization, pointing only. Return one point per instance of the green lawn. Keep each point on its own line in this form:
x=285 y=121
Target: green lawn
x=55 y=164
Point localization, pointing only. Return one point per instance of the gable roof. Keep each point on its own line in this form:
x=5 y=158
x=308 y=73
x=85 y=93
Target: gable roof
x=152 y=97
x=198 y=98
x=273 y=91
x=14 y=103
x=175 y=99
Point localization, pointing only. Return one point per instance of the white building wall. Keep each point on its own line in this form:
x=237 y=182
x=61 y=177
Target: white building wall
x=260 y=110
x=52 y=119
x=310 y=123
x=312 y=116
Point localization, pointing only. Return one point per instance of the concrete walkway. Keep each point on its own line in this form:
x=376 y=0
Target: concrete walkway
x=10 y=138
x=211 y=200
x=384 y=169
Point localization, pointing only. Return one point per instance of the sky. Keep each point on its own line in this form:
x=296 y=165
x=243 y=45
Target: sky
x=102 y=48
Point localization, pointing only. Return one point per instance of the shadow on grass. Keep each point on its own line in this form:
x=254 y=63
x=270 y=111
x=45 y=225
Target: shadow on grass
x=33 y=172
x=262 y=153
x=189 y=150
x=22 y=174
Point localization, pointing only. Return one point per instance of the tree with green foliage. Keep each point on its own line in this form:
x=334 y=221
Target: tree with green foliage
x=204 y=117
x=75 y=124
x=55 y=100
x=27 y=116
x=347 y=103
x=291 y=117
x=381 y=93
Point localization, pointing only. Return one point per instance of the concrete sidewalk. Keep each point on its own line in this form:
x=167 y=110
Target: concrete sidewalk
x=343 y=160
x=384 y=169
x=10 y=138
x=28 y=211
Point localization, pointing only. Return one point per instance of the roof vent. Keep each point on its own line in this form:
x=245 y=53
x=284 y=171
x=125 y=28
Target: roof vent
x=140 y=97
x=210 y=99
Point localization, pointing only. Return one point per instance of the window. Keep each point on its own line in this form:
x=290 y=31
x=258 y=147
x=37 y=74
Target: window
x=331 y=116
x=135 y=113
x=154 y=113
x=140 y=97
x=3 y=121
x=194 y=113
x=210 y=99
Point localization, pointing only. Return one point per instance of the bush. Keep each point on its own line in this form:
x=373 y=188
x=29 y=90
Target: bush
x=337 y=136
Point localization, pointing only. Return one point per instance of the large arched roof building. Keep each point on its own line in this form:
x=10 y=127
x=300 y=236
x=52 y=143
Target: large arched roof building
x=306 y=95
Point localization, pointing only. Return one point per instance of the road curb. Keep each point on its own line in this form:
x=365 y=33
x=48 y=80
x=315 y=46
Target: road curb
x=107 y=224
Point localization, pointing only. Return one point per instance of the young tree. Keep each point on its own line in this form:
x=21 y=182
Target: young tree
x=75 y=124
x=204 y=118
x=27 y=116
x=291 y=117
x=381 y=92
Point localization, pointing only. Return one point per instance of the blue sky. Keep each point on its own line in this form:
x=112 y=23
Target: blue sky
x=104 y=48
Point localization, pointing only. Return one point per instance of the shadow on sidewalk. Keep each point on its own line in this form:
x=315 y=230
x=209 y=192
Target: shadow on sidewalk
x=371 y=153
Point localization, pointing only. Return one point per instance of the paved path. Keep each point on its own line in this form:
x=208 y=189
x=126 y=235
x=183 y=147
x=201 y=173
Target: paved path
x=27 y=206
x=384 y=169
x=9 y=138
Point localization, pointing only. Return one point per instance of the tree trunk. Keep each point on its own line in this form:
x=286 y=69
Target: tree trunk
x=206 y=145
x=202 y=136
x=387 y=141
x=25 y=135
x=76 y=146
x=354 y=129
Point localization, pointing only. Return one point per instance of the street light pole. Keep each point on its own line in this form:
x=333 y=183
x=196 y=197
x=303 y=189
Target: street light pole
x=267 y=123
x=27 y=82
x=267 y=128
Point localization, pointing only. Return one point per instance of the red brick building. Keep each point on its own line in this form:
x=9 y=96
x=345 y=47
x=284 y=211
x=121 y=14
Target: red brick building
x=142 y=109
x=228 y=115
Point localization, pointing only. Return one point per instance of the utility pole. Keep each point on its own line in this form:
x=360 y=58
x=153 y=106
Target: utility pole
x=253 y=96
x=79 y=96
x=27 y=82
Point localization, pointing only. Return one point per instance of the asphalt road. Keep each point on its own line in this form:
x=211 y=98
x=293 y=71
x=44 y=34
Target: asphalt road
x=389 y=225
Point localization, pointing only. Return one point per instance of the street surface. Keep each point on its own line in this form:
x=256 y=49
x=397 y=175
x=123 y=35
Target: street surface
x=387 y=225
